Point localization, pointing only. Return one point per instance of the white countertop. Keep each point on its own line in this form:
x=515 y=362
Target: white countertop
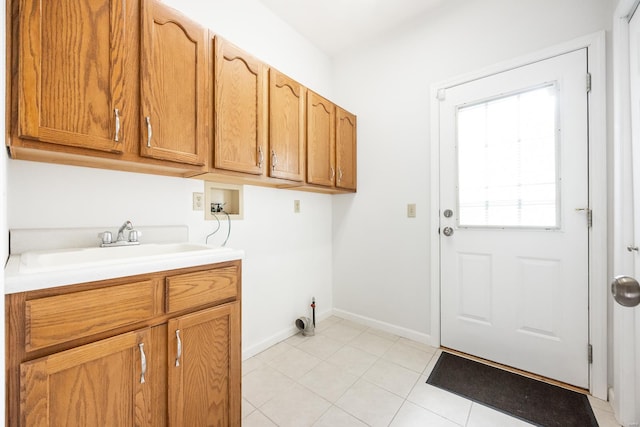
x=17 y=278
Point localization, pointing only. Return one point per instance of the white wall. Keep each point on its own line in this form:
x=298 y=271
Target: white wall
x=381 y=257
x=288 y=256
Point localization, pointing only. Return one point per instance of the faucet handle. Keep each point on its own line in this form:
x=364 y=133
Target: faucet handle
x=134 y=235
x=106 y=237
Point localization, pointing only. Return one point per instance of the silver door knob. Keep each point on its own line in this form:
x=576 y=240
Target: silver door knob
x=626 y=291
x=447 y=231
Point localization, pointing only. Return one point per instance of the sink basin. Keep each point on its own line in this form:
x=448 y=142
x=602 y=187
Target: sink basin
x=37 y=261
x=33 y=270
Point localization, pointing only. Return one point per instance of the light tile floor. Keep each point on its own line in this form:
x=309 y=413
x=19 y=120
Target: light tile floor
x=351 y=375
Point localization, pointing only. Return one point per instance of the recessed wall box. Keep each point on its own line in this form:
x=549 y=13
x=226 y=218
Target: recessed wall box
x=220 y=198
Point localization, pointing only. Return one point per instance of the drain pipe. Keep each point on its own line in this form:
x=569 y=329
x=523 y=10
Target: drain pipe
x=305 y=324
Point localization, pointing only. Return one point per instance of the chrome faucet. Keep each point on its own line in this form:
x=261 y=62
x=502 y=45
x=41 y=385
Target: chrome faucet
x=126 y=226
x=133 y=238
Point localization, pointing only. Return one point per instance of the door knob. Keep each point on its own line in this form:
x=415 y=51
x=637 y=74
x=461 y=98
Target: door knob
x=447 y=231
x=626 y=291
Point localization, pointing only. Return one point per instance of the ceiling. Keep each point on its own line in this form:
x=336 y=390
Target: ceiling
x=338 y=25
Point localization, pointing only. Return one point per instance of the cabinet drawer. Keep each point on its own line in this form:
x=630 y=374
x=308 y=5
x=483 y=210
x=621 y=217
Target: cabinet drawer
x=60 y=318
x=200 y=288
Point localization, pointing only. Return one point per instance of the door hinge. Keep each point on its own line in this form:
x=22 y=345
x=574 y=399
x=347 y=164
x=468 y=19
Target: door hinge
x=589 y=213
x=588 y=82
x=590 y=353
x=441 y=95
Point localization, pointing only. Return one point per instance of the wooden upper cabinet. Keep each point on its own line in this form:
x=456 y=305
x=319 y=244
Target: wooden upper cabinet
x=174 y=65
x=287 y=128
x=98 y=384
x=240 y=109
x=204 y=368
x=345 y=149
x=321 y=140
x=136 y=85
x=71 y=61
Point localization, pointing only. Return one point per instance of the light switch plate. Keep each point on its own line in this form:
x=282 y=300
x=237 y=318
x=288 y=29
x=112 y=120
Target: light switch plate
x=411 y=210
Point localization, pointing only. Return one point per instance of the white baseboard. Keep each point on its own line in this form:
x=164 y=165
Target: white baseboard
x=268 y=342
x=383 y=326
x=277 y=337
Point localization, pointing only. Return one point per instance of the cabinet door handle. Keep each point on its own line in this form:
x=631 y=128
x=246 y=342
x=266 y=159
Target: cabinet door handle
x=274 y=160
x=149 y=132
x=179 y=352
x=117 y=136
x=143 y=362
x=339 y=174
x=260 y=157
x=333 y=173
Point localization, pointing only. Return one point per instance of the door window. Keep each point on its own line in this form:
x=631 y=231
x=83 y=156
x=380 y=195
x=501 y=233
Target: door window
x=507 y=161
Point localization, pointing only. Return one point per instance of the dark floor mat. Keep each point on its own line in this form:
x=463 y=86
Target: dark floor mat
x=521 y=397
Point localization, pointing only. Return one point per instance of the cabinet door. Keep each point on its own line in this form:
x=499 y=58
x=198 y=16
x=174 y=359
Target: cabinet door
x=287 y=131
x=321 y=123
x=345 y=149
x=204 y=368
x=71 y=72
x=99 y=384
x=239 y=110
x=174 y=63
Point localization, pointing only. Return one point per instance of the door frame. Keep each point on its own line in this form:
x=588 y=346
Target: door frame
x=598 y=180
x=624 y=396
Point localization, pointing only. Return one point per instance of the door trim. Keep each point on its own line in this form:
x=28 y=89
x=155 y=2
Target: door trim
x=623 y=397
x=597 y=115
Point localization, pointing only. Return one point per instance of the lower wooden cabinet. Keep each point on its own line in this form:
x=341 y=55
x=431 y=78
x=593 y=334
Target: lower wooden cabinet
x=204 y=368
x=98 y=384
x=178 y=366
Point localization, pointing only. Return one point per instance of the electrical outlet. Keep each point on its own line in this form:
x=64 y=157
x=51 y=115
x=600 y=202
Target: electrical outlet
x=411 y=210
x=296 y=206
x=198 y=201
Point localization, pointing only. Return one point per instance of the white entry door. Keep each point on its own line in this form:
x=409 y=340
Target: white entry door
x=514 y=218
